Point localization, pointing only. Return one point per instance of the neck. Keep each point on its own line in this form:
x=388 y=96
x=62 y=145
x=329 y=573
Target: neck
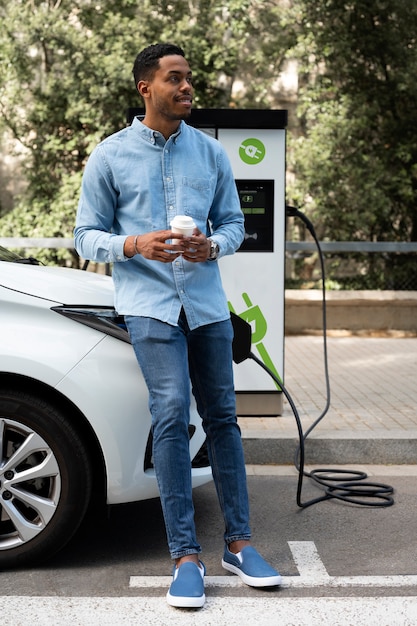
x=165 y=127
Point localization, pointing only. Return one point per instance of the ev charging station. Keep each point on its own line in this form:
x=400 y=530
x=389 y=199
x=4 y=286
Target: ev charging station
x=253 y=278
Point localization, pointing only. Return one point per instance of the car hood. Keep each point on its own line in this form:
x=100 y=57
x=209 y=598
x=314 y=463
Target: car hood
x=60 y=285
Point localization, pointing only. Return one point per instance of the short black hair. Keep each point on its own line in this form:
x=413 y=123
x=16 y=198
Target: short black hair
x=147 y=61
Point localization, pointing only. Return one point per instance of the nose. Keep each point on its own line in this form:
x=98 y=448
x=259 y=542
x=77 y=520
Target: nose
x=186 y=86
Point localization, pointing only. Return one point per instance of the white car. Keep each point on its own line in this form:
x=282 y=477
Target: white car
x=74 y=418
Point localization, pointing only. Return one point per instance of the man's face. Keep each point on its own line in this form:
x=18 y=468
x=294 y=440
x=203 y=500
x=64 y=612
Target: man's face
x=169 y=93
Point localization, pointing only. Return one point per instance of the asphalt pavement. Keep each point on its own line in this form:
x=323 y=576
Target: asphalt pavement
x=372 y=417
x=341 y=564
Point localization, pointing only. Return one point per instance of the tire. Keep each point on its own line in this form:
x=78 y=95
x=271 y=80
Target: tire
x=45 y=479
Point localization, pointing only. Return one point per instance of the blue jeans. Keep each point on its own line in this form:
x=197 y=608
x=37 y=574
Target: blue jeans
x=169 y=357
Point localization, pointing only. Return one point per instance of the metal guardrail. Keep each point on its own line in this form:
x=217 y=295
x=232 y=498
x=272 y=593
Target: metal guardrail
x=36 y=242
x=353 y=246
x=290 y=246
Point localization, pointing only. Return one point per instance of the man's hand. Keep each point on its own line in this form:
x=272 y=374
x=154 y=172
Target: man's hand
x=154 y=246
x=197 y=247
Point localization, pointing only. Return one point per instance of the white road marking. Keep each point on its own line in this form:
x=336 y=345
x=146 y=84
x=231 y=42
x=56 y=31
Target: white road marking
x=150 y=582
x=262 y=610
x=308 y=562
x=220 y=611
x=312 y=573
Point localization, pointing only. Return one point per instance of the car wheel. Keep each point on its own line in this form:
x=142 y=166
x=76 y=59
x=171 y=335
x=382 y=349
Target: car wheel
x=45 y=479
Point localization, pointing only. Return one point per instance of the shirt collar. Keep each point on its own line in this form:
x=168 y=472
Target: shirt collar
x=153 y=135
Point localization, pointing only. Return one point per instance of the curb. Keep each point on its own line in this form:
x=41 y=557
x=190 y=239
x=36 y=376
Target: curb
x=398 y=451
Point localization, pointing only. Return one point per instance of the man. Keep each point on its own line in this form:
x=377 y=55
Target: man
x=174 y=305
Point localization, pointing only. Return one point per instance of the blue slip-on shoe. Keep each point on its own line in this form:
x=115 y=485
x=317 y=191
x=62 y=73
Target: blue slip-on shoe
x=187 y=587
x=251 y=568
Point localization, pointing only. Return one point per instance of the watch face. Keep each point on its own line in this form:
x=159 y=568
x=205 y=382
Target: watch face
x=214 y=250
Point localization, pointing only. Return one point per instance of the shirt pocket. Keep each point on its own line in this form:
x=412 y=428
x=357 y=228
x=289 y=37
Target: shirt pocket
x=197 y=197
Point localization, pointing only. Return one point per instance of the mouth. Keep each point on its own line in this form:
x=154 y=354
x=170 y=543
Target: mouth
x=186 y=101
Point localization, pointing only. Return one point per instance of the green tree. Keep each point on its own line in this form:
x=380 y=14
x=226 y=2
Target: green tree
x=356 y=160
x=66 y=83
x=62 y=88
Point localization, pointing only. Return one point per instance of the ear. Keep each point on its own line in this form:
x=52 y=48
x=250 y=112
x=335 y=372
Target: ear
x=143 y=88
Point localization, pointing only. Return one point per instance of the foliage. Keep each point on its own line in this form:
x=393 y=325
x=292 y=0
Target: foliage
x=62 y=89
x=356 y=160
x=67 y=82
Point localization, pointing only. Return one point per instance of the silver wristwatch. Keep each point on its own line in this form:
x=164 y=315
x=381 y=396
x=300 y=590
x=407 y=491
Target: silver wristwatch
x=214 y=250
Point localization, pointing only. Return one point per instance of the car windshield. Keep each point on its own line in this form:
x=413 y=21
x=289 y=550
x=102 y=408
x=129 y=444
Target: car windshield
x=8 y=255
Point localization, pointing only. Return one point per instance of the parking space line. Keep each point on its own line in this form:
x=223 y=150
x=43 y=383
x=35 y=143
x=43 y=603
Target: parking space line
x=308 y=561
x=148 y=582
x=312 y=573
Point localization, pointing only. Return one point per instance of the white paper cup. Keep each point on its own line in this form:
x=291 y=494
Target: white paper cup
x=182 y=224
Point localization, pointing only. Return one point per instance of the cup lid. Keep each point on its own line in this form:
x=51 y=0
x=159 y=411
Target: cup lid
x=182 y=221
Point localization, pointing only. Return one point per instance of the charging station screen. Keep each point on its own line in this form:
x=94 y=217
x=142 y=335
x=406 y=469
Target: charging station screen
x=257 y=204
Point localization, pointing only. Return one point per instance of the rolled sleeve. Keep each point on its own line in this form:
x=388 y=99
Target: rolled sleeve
x=94 y=239
x=226 y=215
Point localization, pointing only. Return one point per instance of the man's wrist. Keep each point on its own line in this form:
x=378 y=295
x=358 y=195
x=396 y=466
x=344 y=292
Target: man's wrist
x=135 y=245
x=131 y=246
x=214 y=250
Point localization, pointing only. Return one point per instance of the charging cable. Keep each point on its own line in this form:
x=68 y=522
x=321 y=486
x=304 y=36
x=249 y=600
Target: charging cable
x=352 y=489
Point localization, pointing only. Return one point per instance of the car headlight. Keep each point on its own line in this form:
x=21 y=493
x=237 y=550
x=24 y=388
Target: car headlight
x=102 y=318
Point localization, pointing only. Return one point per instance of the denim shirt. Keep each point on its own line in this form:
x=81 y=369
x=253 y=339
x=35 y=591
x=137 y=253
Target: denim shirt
x=135 y=182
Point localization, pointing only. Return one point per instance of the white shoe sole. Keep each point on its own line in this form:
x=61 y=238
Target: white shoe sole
x=253 y=581
x=184 y=602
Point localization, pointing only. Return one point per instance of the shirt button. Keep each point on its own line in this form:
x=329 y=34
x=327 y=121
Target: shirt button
x=171 y=208
x=169 y=179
